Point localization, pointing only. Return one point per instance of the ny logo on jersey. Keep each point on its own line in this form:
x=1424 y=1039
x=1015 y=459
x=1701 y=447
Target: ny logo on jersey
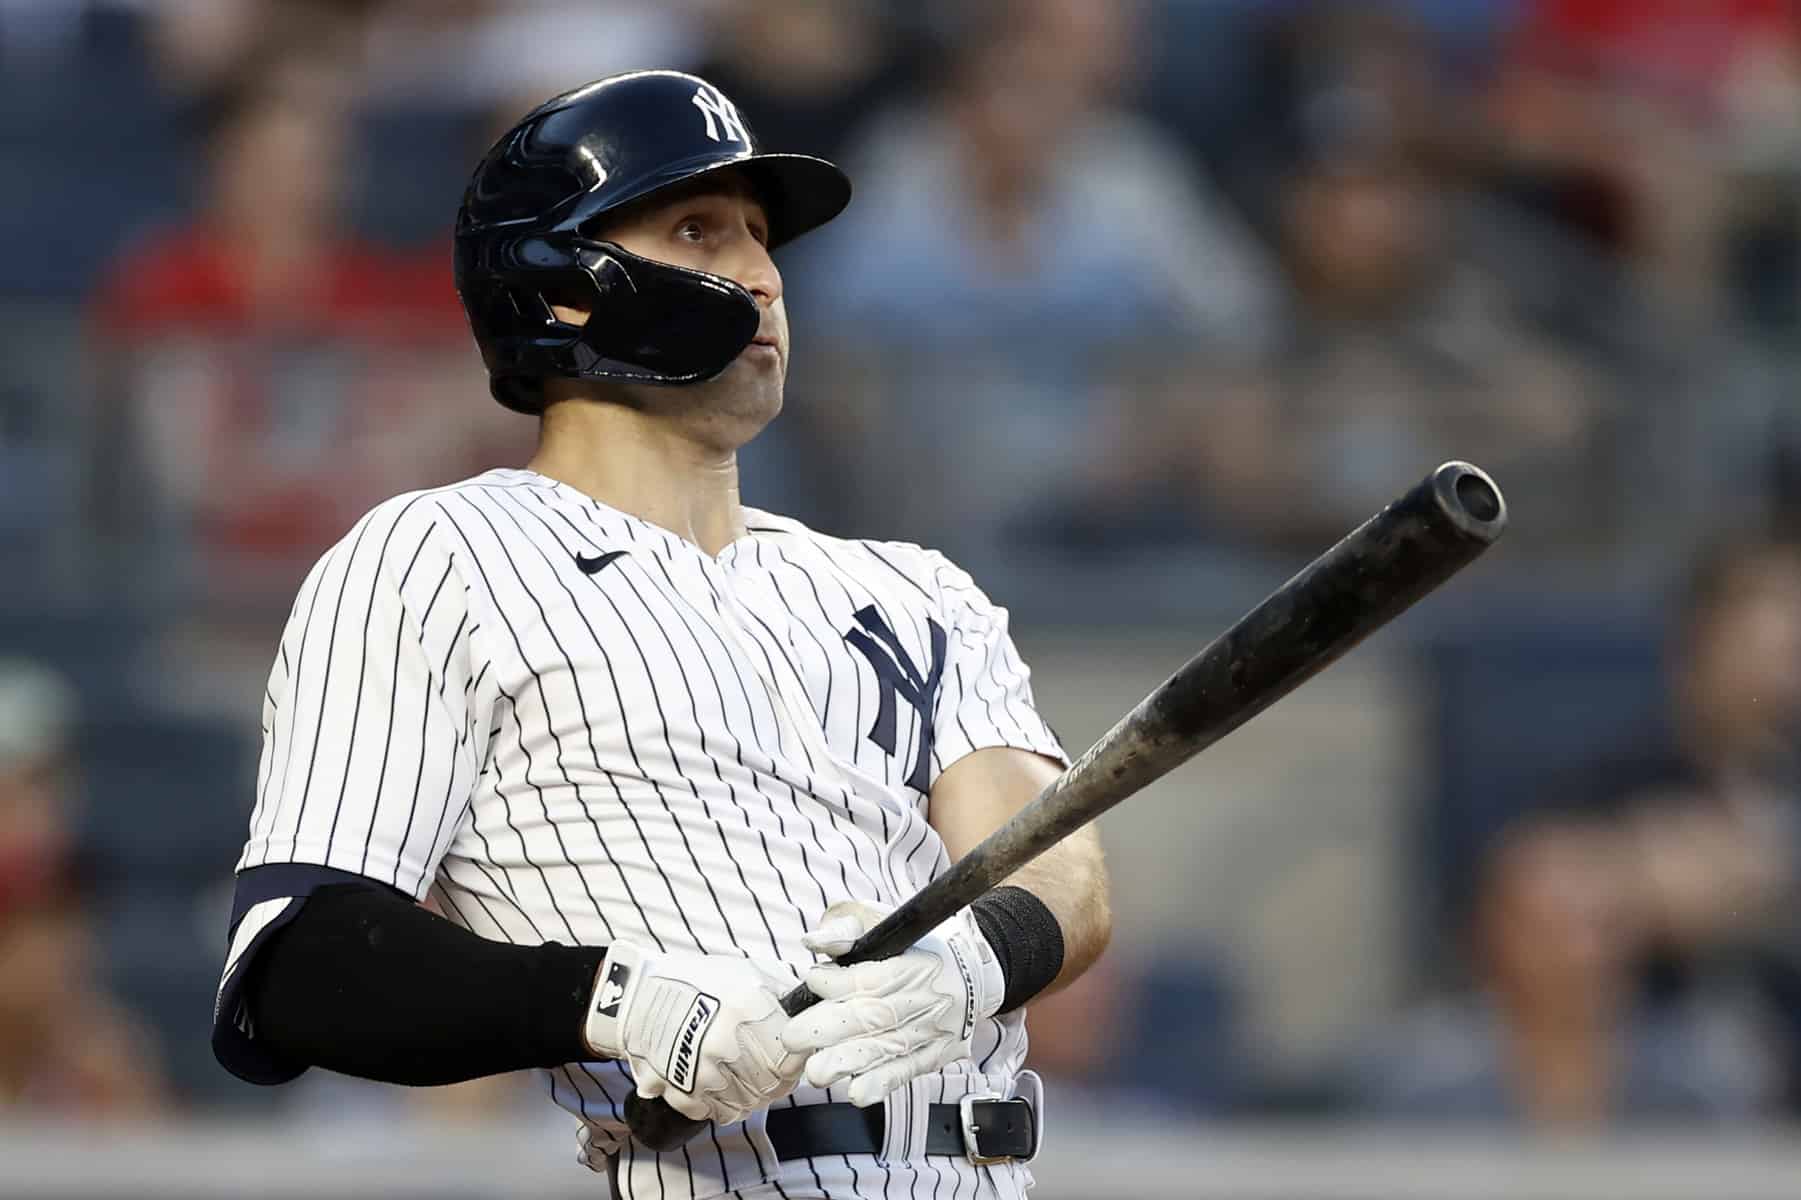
x=723 y=121
x=897 y=673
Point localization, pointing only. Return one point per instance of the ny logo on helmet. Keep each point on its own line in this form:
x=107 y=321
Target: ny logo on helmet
x=723 y=121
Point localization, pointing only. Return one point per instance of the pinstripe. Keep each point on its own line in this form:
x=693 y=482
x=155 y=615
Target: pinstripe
x=957 y=710
x=855 y=691
x=455 y=640
x=807 y=783
x=775 y=700
x=316 y=579
x=387 y=743
x=856 y=741
x=375 y=579
x=263 y=809
x=519 y=725
x=306 y=786
x=445 y=825
x=898 y=573
x=582 y=707
x=656 y=696
x=637 y=762
x=731 y=792
x=406 y=834
x=846 y=578
x=550 y=723
x=825 y=721
x=727 y=656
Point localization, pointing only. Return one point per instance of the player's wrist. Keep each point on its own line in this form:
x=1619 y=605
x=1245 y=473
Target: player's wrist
x=1026 y=939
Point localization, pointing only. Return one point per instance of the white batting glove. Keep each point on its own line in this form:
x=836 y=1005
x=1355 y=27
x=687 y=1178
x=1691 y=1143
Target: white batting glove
x=703 y=1031
x=880 y=1024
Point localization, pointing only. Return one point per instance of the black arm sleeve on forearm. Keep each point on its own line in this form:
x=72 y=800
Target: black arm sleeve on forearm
x=367 y=983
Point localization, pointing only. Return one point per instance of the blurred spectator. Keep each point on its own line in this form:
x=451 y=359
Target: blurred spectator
x=1554 y=1037
x=1413 y=335
x=482 y=53
x=1011 y=242
x=201 y=47
x=65 y=1049
x=1711 y=817
x=1600 y=113
x=1424 y=323
x=1661 y=136
x=808 y=72
x=266 y=375
x=1406 y=349
x=1637 y=947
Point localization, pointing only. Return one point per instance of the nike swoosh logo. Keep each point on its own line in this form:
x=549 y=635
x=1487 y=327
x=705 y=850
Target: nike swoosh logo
x=592 y=566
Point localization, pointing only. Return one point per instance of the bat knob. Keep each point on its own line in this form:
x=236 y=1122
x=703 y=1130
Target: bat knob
x=1467 y=496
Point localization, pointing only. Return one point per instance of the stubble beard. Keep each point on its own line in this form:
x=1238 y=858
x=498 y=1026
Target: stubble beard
x=727 y=410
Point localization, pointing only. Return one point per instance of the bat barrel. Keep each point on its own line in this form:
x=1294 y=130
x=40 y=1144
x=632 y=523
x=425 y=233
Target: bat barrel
x=1469 y=499
x=1375 y=573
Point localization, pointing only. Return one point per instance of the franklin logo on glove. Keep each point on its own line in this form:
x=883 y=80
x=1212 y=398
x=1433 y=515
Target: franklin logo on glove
x=681 y=1066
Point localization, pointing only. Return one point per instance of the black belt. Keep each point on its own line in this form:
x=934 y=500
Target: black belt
x=982 y=1130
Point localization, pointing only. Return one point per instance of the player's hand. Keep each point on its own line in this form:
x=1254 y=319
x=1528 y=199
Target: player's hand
x=879 y=1024
x=703 y=1031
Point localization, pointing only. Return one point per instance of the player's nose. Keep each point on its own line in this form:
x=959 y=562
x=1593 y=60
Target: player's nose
x=755 y=271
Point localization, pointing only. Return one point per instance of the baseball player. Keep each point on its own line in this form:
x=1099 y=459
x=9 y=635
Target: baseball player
x=655 y=756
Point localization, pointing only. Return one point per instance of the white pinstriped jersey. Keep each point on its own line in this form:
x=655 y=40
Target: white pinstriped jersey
x=566 y=724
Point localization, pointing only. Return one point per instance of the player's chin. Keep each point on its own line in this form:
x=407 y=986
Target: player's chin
x=755 y=385
x=737 y=406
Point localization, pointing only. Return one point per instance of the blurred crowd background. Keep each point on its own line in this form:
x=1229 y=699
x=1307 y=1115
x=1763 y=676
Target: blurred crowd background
x=1140 y=304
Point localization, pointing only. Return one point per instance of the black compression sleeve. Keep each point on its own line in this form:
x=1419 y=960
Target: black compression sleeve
x=367 y=983
x=1026 y=938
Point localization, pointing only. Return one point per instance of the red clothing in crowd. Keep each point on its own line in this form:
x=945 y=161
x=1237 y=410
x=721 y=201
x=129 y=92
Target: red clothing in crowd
x=264 y=428
x=1682 y=46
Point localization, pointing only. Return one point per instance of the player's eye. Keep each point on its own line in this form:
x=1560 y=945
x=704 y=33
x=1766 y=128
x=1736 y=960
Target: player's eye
x=691 y=230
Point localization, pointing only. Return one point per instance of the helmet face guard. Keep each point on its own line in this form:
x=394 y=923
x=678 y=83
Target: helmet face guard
x=523 y=238
x=651 y=322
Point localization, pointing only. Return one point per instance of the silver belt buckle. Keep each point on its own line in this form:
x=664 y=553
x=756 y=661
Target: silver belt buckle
x=966 y=1116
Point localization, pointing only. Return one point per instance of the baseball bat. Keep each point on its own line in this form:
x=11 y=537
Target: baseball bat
x=1372 y=576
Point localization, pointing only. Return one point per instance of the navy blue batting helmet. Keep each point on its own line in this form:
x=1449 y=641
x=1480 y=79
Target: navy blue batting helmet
x=525 y=236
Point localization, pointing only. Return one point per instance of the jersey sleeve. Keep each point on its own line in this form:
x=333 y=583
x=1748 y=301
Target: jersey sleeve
x=370 y=742
x=986 y=694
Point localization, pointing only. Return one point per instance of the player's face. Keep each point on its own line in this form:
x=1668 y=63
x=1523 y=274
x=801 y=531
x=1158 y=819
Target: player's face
x=716 y=225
